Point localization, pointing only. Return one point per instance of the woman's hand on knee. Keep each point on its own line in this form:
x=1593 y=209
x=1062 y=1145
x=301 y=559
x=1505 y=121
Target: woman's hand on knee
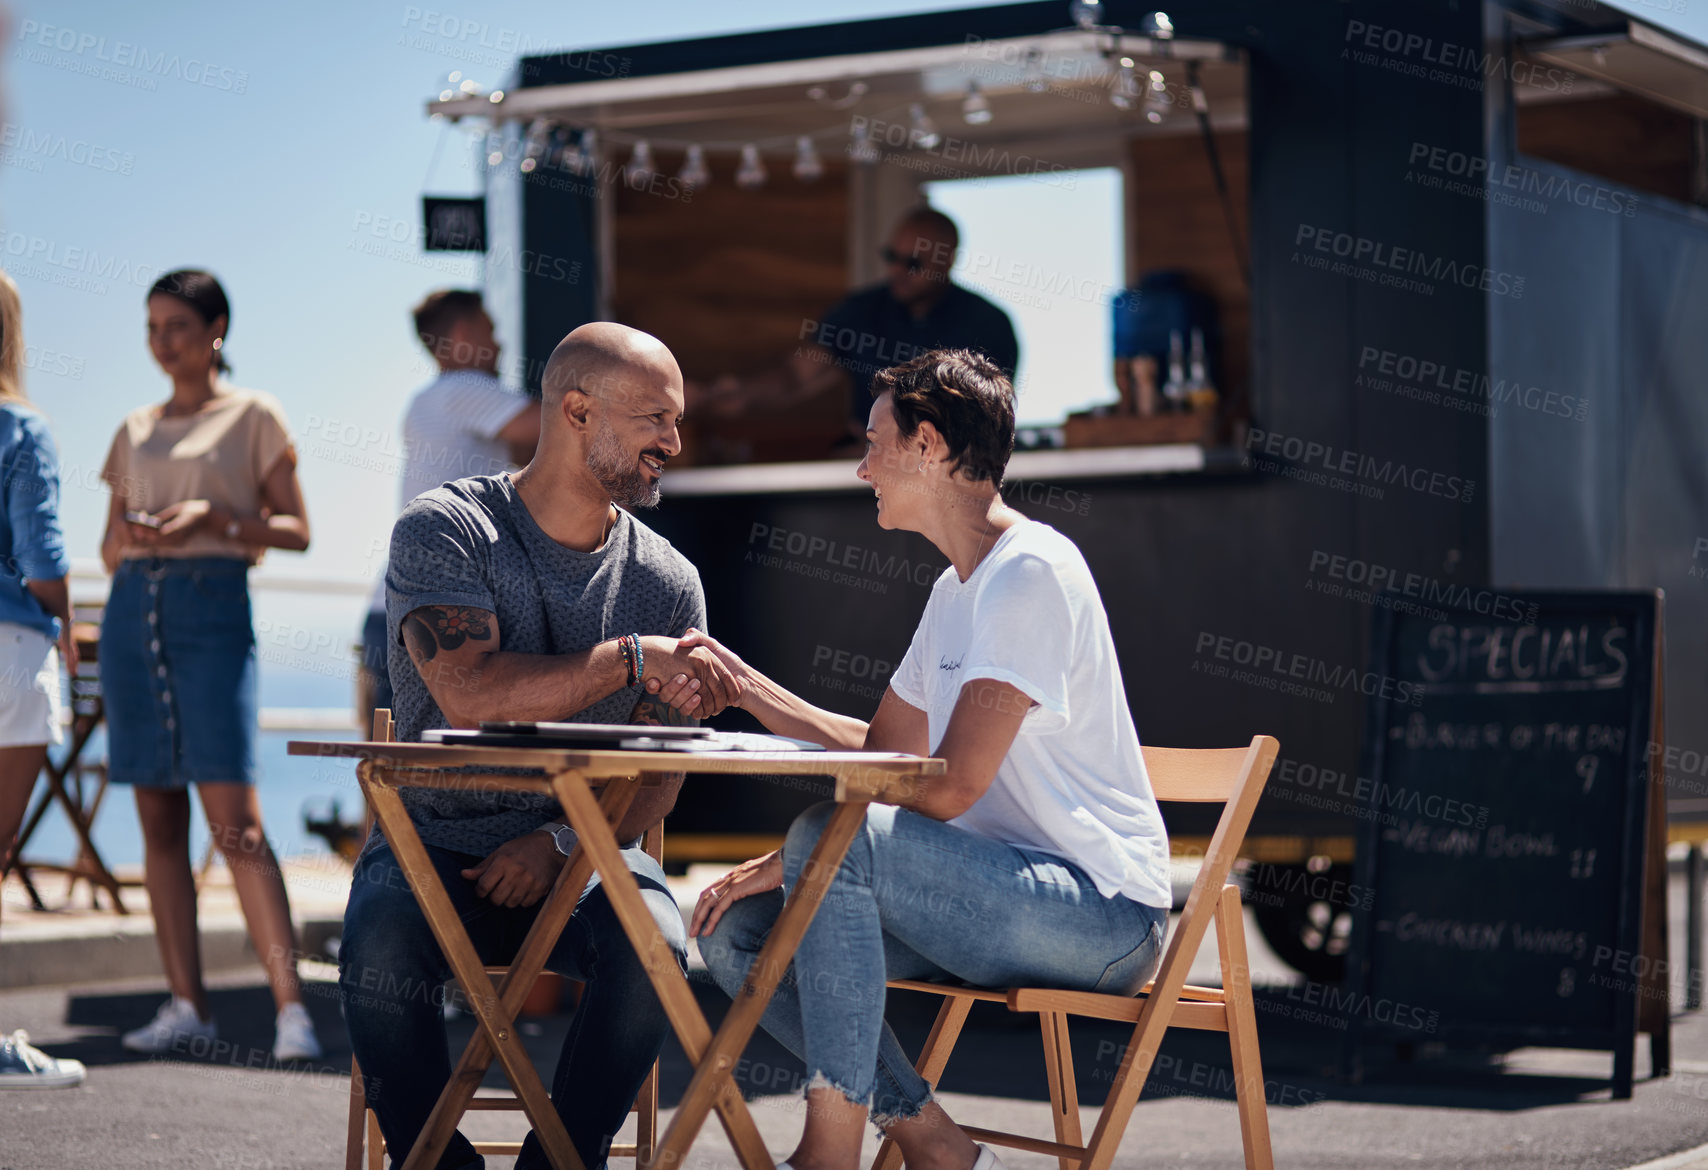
x=750 y=877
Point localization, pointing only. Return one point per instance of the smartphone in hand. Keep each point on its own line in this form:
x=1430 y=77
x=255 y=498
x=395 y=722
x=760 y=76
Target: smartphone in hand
x=144 y=519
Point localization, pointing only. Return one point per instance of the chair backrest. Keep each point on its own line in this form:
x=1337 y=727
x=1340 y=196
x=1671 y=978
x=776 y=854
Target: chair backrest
x=1235 y=776
x=1198 y=775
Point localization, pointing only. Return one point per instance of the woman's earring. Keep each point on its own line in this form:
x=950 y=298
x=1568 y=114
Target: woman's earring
x=922 y=465
x=218 y=341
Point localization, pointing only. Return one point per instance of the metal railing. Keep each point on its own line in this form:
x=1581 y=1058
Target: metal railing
x=90 y=582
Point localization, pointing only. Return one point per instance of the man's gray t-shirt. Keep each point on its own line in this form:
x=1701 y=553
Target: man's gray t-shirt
x=473 y=543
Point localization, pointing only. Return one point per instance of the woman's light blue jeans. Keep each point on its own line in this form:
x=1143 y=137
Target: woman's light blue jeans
x=918 y=898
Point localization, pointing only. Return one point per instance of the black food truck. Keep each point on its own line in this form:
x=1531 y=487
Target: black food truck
x=1447 y=264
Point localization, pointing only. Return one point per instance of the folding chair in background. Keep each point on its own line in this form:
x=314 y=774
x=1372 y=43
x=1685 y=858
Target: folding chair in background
x=1233 y=777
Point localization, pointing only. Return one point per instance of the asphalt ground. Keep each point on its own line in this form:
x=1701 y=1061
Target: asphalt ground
x=232 y=1109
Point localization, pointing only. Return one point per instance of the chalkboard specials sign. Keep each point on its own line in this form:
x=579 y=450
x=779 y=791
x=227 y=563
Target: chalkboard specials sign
x=1511 y=835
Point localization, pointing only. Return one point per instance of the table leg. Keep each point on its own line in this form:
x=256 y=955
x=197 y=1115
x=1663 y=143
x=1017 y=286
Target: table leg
x=530 y=958
x=1693 y=929
x=762 y=978
x=674 y=994
x=465 y=962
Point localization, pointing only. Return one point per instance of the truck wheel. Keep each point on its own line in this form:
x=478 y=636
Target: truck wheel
x=1307 y=932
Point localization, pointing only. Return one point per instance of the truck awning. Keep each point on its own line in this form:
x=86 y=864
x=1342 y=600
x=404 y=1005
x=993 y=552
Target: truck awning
x=1637 y=58
x=1034 y=84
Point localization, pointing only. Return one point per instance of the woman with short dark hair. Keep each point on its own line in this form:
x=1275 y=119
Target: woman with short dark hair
x=1038 y=858
x=202 y=484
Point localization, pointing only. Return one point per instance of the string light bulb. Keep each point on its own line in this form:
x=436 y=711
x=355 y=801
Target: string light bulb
x=975 y=107
x=1035 y=81
x=576 y=157
x=558 y=147
x=1087 y=14
x=1158 y=105
x=694 y=172
x=534 y=146
x=587 y=158
x=494 y=146
x=750 y=175
x=861 y=148
x=1126 y=94
x=924 y=134
x=641 y=168
x=808 y=166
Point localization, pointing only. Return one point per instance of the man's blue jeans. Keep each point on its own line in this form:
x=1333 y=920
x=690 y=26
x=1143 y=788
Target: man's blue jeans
x=918 y=898
x=391 y=972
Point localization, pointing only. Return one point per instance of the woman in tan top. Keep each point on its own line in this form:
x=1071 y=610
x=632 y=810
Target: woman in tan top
x=202 y=484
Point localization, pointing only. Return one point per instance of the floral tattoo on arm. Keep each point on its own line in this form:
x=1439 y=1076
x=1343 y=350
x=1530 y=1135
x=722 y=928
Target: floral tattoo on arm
x=433 y=628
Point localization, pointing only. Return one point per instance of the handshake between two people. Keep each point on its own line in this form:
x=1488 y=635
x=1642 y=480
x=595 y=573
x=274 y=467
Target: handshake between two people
x=694 y=675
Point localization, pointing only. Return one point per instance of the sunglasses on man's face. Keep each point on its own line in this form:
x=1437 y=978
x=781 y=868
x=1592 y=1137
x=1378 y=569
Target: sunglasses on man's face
x=911 y=263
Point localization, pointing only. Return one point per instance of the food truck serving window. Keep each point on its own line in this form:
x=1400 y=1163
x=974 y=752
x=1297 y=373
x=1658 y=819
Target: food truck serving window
x=1050 y=255
x=737 y=208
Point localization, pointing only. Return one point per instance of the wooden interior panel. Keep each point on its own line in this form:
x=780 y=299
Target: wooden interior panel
x=726 y=277
x=1633 y=142
x=1175 y=220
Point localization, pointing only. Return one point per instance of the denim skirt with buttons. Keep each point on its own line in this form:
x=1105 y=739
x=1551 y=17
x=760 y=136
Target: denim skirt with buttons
x=177 y=660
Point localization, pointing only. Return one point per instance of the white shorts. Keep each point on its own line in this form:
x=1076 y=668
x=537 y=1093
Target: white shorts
x=31 y=705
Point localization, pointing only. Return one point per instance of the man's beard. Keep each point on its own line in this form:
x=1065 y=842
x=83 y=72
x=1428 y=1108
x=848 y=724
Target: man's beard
x=619 y=473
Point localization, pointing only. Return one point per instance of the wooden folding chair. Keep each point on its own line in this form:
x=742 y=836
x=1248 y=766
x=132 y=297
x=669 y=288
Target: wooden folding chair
x=76 y=786
x=1234 y=777
x=362 y=1118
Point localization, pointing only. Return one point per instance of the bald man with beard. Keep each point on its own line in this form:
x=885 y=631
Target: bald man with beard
x=507 y=597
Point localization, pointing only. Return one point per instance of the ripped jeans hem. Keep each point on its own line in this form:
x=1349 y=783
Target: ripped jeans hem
x=821 y=1080
x=884 y=1120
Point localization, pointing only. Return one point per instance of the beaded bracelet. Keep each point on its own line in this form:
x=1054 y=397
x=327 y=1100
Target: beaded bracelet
x=627 y=653
x=634 y=658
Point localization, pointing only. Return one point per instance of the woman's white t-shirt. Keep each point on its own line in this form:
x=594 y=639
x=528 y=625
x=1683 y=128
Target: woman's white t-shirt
x=1074 y=783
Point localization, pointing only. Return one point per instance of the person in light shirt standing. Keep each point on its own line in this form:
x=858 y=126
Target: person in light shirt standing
x=35 y=612
x=464 y=422
x=202 y=484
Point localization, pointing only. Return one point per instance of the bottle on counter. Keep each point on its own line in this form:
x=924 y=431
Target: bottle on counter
x=1144 y=386
x=1174 y=390
x=1200 y=395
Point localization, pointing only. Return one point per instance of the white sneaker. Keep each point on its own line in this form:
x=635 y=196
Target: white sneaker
x=295 y=1039
x=987 y=1159
x=172 y=1028
x=23 y=1067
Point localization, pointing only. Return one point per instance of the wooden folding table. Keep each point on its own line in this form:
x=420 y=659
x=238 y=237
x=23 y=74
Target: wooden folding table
x=572 y=776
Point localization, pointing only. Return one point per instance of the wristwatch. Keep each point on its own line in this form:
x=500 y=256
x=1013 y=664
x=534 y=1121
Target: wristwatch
x=562 y=836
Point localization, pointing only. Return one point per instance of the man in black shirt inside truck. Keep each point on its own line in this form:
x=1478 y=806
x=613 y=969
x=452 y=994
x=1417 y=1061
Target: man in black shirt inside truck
x=916 y=308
